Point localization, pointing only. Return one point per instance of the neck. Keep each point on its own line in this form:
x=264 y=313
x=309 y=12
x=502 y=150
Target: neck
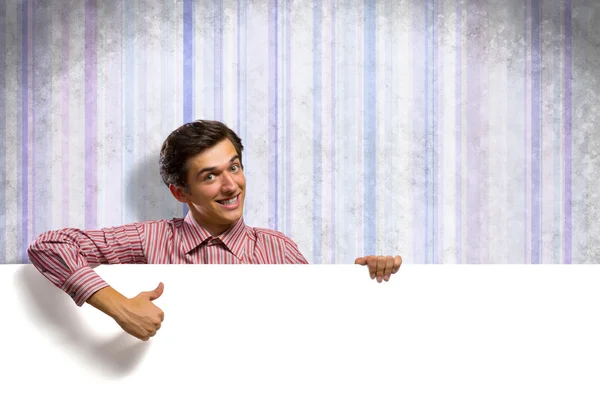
x=212 y=228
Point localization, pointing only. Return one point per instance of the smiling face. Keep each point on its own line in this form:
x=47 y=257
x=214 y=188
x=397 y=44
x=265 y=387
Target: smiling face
x=216 y=187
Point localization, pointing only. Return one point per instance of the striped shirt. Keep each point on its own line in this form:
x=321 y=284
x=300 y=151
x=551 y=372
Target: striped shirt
x=67 y=257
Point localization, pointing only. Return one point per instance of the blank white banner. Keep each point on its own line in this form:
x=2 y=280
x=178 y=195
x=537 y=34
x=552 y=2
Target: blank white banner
x=311 y=332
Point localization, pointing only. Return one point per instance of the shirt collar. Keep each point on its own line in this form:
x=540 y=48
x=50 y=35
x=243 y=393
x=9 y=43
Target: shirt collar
x=195 y=235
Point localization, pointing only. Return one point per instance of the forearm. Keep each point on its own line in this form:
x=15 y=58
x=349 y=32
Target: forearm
x=109 y=301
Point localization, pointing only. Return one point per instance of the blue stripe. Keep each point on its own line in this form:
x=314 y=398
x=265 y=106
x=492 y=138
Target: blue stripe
x=3 y=178
x=188 y=65
x=24 y=234
x=276 y=116
x=128 y=95
x=317 y=132
x=370 y=126
x=556 y=112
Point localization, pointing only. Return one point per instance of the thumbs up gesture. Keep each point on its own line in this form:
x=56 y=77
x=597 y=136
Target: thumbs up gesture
x=139 y=317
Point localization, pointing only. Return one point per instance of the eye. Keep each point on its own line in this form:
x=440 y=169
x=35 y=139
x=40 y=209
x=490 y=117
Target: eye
x=235 y=167
x=208 y=177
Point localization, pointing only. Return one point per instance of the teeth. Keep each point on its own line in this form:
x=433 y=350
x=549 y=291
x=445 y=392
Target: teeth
x=230 y=201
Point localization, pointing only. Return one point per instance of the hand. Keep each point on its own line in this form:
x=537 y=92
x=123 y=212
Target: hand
x=381 y=267
x=139 y=316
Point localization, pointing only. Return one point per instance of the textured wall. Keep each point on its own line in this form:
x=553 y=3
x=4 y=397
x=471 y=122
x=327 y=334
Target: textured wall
x=449 y=131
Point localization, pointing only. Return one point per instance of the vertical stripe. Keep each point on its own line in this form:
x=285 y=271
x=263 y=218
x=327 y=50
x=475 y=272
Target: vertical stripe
x=428 y=131
x=438 y=150
x=317 y=131
x=218 y=60
x=556 y=113
x=288 y=82
x=536 y=177
x=458 y=131
x=567 y=258
x=370 y=130
x=3 y=129
x=188 y=66
x=333 y=131
x=526 y=138
x=23 y=223
x=65 y=100
x=129 y=104
x=273 y=115
x=90 y=114
x=140 y=117
x=473 y=139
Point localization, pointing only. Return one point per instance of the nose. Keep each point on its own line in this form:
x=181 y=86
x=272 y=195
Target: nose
x=228 y=183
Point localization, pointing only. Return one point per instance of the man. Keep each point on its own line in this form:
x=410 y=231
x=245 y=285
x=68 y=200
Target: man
x=201 y=164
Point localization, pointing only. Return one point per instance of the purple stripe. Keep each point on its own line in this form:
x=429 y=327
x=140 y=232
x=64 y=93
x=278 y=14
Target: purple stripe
x=32 y=122
x=91 y=142
x=3 y=177
x=568 y=165
x=65 y=93
x=218 y=60
x=536 y=77
x=526 y=153
x=333 y=127
x=23 y=223
x=41 y=94
x=273 y=148
x=458 y=144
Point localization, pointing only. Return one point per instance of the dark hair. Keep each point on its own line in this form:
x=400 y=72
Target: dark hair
x=189 y=140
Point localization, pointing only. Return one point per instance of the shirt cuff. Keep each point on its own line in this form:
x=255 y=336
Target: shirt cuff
x=82 y=284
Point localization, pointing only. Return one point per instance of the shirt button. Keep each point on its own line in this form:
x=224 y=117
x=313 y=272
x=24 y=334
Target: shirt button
x=72 y=294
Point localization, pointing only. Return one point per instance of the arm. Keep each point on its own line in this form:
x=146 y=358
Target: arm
x=66 y=257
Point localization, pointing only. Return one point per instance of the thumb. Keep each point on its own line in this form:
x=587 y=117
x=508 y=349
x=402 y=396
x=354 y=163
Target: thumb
x=156 y=293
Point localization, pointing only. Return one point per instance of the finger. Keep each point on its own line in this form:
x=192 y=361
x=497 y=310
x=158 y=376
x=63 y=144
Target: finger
x=152 y=334
x=361 y=261
x=380 y=268
x=397 y=264
x=372 y=262
x=389 y=265
x=161 y=316
x=156 y=293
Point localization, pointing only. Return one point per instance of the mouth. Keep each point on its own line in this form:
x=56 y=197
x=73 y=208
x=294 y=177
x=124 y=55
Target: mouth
x=231 y=203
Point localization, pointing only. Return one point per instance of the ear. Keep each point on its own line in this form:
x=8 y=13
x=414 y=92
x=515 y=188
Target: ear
x=178 y=193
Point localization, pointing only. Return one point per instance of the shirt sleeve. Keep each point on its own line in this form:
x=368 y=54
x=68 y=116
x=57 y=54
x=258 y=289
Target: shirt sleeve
x=67 y=257
x=293 y=254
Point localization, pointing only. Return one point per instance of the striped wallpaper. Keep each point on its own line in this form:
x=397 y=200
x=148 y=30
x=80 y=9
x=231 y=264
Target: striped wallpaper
x=447 y=131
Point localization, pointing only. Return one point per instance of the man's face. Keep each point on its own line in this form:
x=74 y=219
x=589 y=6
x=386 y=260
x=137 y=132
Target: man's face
x=217 y=187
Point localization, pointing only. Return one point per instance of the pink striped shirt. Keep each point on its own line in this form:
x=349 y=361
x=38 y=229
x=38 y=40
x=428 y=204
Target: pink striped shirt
x=67 y=256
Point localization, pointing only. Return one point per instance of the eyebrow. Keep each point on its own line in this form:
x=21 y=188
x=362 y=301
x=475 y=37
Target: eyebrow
x=209 y=169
